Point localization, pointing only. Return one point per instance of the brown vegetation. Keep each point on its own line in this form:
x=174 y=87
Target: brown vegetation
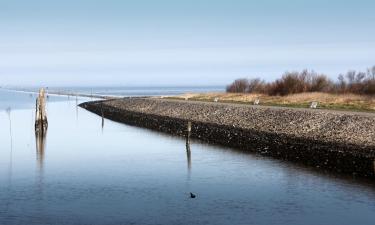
x=353 y=102
x=308 y=81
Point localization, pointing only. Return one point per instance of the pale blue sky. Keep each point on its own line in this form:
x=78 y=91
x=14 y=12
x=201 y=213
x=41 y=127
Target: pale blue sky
x=192 y=42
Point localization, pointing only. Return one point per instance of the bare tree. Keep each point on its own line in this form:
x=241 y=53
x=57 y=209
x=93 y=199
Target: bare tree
x=256 y=85
x=360 y=76
x=350 y=76
x=239 y=86
x=371 y=73
x=320 y=83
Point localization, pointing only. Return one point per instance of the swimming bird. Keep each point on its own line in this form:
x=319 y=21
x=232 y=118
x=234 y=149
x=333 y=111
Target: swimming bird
x=192 y=195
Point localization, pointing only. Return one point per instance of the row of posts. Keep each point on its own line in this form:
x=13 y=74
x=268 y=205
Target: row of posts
x=313 y=105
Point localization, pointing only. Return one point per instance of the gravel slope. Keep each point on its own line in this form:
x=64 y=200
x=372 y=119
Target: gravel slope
x=334 y=126
x=336 y=140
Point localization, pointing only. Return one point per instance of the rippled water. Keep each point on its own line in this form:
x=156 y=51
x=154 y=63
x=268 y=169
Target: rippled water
x=118 y=174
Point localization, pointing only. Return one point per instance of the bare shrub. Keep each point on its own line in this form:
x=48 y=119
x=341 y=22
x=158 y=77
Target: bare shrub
x=256 y=86
x=357 y=82
x=295 y=82
x=321 y=83
x=238 y=86
x=371 y=73
x=309 y=81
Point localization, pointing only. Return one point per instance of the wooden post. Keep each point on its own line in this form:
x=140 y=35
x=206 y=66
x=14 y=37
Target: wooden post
x=41 y=122
x=102 y=119
x=188 y=155
x=188 y=130
x=188 y=133
x=102 y=113
x=188 y=151
x=41 y=125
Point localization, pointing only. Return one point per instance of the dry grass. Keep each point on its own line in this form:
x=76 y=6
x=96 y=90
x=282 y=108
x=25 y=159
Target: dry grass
x=327 y=101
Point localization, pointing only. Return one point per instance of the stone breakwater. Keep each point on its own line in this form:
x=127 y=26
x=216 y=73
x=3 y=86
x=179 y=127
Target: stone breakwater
x=340 y=141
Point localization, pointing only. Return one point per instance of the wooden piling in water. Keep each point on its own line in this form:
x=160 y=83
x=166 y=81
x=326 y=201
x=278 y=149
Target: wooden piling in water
x=188 y=128
x=41 y=122
x=188 y=151
x=188 y=133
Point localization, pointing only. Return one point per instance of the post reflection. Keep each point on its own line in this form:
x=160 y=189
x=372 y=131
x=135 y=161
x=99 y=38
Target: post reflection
x=8 y=201
x=8 y=112
x=102 y=123
x=40 y=140
x=188 y=153
x=102 y=112
x=188 y=150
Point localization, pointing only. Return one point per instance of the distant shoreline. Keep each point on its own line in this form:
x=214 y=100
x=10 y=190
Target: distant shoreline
x=62 y=93
x=120 y=92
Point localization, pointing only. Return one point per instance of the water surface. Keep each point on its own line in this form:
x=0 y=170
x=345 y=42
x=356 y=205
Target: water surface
x=117 y=174
x=133 y=91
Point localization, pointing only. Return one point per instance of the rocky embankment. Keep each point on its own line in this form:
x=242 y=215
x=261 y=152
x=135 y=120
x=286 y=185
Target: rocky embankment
x=341 y=141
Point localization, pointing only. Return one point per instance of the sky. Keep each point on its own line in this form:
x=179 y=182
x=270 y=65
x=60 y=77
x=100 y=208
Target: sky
x=180 y=42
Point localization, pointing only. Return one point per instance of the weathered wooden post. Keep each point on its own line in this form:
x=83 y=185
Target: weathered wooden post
x=188 y=155
x=188 y=133
x=41 y=122
x=102 y=115
x=188 y=151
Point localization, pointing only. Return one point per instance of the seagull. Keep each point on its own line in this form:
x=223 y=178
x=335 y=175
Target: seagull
x=192 y=195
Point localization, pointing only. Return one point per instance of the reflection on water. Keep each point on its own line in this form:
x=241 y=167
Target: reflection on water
x=188 y=150
x=102 y=120
x=188 y=153
x=8 y=111
x=10 y=168
x=40 y=141
x=129 y=175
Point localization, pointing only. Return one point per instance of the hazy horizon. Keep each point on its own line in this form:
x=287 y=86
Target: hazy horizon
x=179 y=43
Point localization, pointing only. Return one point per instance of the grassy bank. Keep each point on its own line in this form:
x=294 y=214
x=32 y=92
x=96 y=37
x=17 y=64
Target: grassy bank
x=350 y=102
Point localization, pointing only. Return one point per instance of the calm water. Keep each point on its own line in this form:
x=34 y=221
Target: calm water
x=118 y=174
x=135 y=91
